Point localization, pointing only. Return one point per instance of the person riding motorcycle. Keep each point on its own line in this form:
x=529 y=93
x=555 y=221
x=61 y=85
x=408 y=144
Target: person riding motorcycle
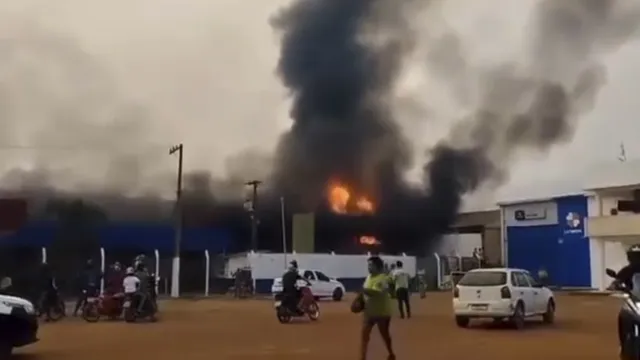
x=146 y=284
x=88 y=285
x=114 y=279
x=629 y=278
x=131 y=286
x=291 y=293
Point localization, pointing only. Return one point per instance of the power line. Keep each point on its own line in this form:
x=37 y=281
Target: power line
x=73 y=147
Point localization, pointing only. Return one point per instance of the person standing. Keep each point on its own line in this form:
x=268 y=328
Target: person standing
x=401 y=280
x=48 y=292
x=377 y=307
x=88 y=285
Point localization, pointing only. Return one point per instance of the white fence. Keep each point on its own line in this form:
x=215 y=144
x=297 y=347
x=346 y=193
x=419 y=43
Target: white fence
x=156 y=267
x=270 y=265
x=266 y=266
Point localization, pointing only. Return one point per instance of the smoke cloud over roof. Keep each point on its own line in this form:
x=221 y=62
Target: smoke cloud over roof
x=71 y=129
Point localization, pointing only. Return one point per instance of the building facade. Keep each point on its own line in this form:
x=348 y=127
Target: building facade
x=614 y=225
x=126 y=235
x=549 y=235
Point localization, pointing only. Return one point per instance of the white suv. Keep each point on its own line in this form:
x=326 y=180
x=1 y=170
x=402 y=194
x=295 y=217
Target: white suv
x=501 y=293
x=18 y=324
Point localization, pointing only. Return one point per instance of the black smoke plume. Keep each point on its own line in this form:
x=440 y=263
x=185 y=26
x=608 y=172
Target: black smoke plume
x=340 y=60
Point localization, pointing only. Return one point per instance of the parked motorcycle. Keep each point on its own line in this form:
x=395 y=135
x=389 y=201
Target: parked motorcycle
x=109 y=305
x=133 y=312
x=306 y=307
x=631 y=310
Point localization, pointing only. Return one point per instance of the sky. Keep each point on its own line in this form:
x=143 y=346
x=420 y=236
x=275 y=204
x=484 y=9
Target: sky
x=96 y=92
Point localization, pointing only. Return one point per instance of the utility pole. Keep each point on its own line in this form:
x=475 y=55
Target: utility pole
x=622 y=157
x=252 y=206
x=175 y=271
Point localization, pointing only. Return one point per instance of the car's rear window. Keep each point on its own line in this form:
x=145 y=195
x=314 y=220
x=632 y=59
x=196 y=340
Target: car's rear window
x=484 y=278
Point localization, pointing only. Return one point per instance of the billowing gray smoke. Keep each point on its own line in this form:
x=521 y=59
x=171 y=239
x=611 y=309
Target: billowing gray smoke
x=62 y=114
x=342 y=82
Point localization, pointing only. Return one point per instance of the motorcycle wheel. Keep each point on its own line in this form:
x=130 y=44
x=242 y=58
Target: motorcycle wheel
x=129 y=315
x=56 y=313
x=283 y=315
x=313 y=311
x=90 y=313
x=62 y=307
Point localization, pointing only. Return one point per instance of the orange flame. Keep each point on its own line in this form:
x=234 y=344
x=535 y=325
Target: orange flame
x=363 y=204
x=340 y=201
x=369 y=240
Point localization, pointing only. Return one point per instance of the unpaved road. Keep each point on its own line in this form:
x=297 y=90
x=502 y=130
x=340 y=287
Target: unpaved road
x=247 y=329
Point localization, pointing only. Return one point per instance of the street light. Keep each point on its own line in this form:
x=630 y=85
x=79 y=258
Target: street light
x=175 y=271
x=251 y=206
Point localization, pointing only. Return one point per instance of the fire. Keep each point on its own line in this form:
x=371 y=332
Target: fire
x=369 y=240
x=339 y=199
x=363 y=204
x=341 y=202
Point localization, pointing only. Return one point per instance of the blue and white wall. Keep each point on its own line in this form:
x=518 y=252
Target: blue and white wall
x=351 y=270
x=550 y=235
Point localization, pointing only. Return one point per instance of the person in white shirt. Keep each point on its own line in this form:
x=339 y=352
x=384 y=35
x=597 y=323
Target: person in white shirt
x=401 y=280
x=131 y=283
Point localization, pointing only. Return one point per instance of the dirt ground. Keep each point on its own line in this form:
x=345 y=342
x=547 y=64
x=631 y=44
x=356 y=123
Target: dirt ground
x=248 y=329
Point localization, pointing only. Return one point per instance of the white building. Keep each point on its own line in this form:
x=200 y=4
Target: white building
x=613 y=224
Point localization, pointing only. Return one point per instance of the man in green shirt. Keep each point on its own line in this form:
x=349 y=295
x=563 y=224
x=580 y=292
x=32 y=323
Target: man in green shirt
x=378 y=306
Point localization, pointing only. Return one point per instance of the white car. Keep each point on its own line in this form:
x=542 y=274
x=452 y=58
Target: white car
x=322 y=286
x=501 y=293
x=18 y=324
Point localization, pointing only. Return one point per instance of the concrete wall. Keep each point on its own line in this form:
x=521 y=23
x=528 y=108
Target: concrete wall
x=606 y=253
x=487 y=225
x=351 y=270
x=492 y=245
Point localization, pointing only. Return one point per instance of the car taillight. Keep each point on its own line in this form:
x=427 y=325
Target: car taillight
x=456 y=292
x=505 y=293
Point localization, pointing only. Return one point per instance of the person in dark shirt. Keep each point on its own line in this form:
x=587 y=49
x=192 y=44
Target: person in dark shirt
x=48 y=291
x=629 y=278
x=147 y=286
x=88 y=284
x=289 y=290
x=114 y=278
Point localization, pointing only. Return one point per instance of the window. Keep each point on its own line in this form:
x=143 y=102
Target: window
x=514 y=280
x=531 y=280
x=309 y=275
x=483 y=278
x=521 y=280
x=322 y=277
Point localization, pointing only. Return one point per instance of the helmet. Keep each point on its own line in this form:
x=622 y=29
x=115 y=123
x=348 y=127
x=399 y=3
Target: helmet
x=293 y=265
x=633 y=254
x=130 y=271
